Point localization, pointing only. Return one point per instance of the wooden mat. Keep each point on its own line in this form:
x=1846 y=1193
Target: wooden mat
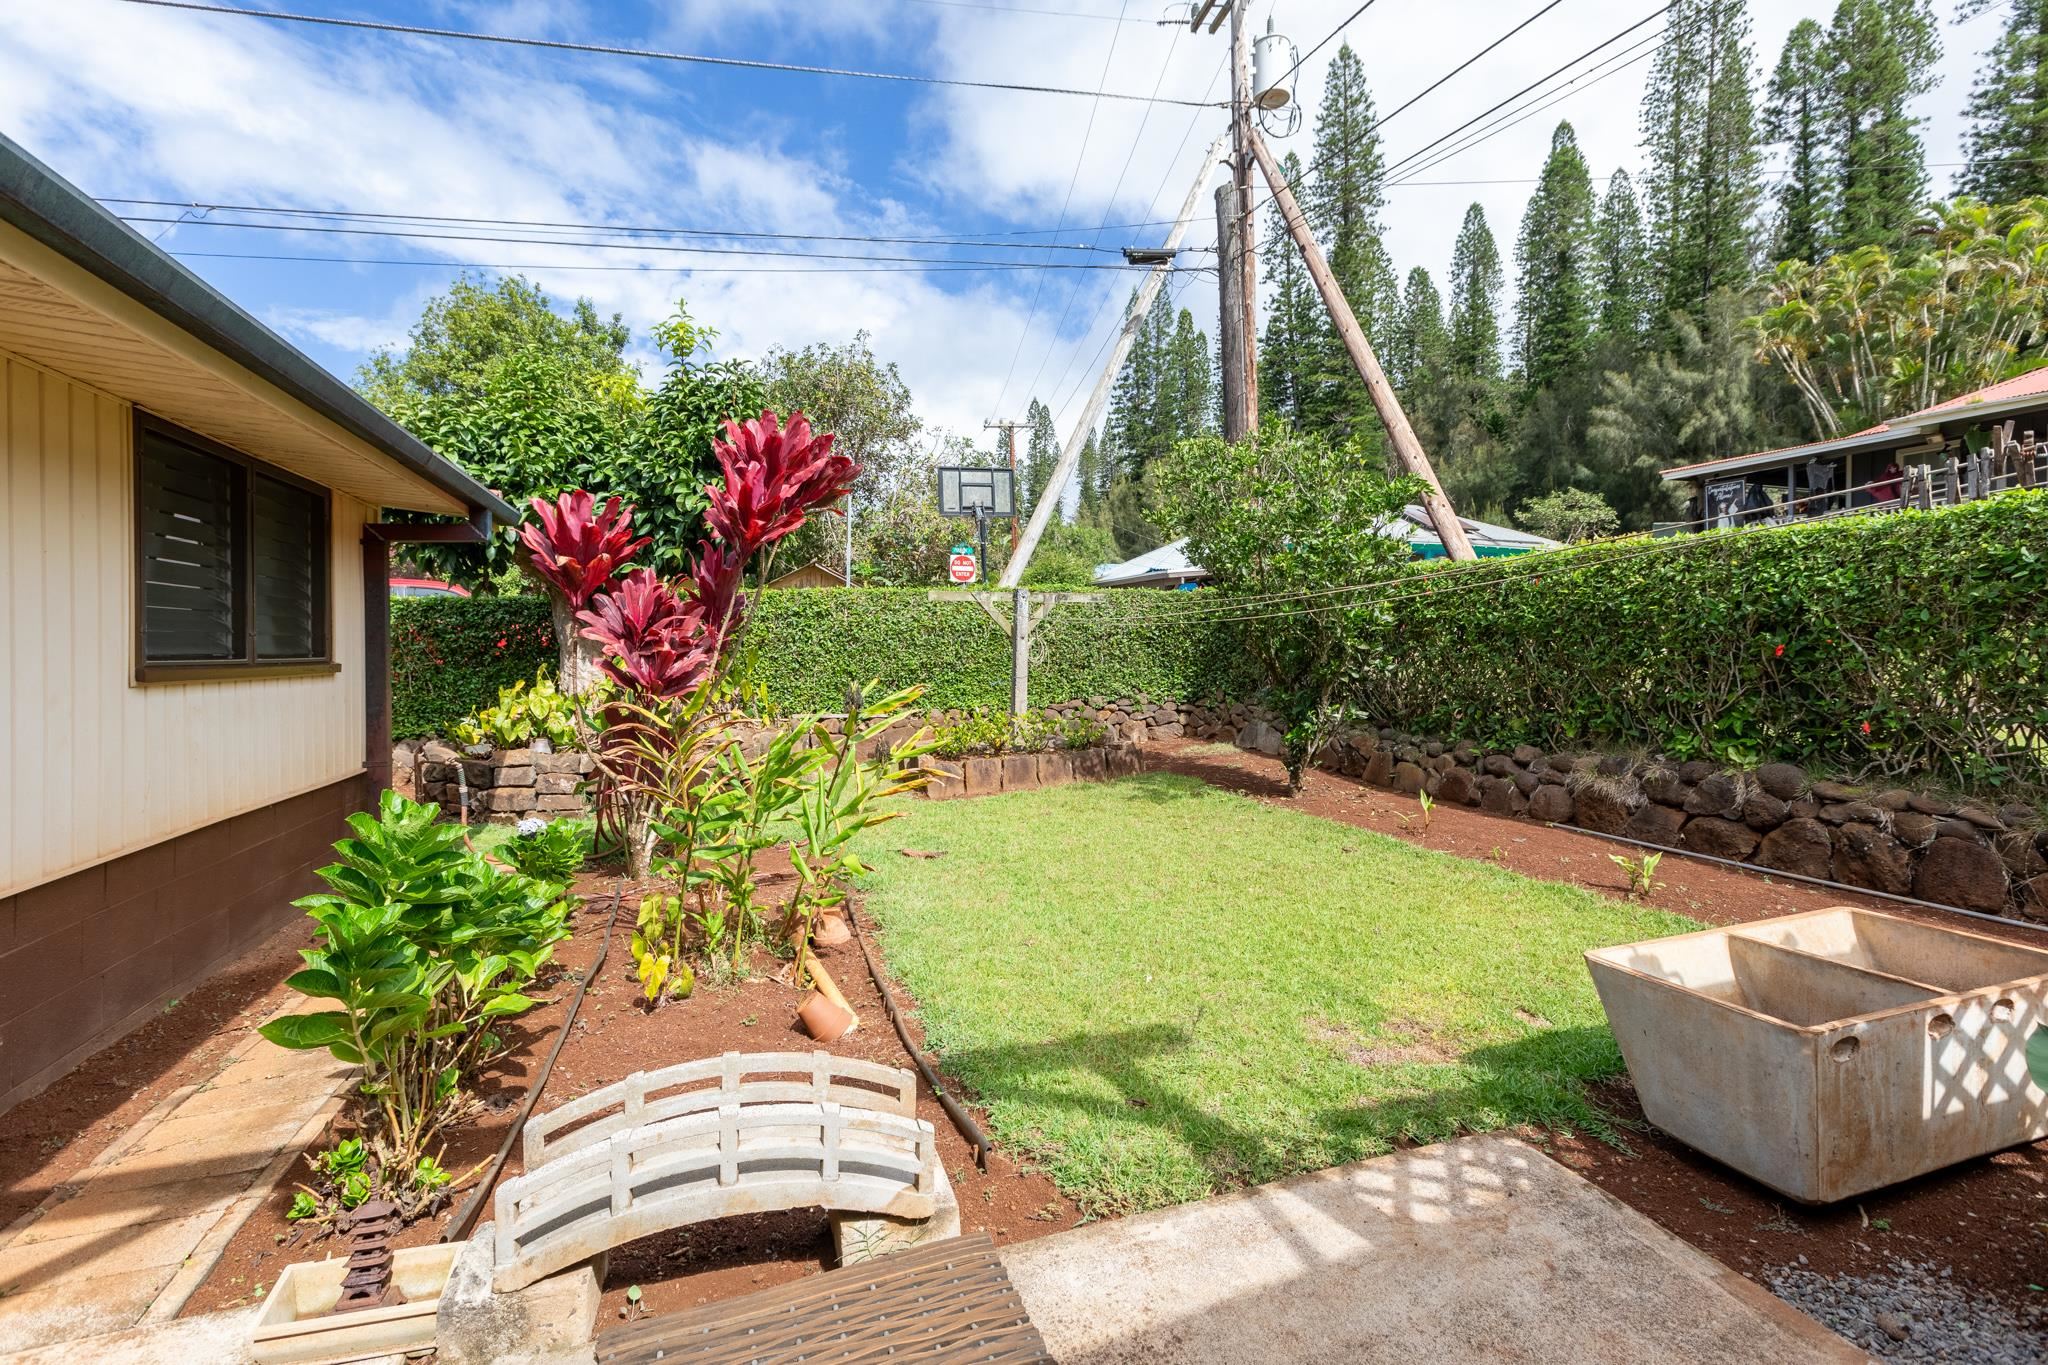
x=950 y=1301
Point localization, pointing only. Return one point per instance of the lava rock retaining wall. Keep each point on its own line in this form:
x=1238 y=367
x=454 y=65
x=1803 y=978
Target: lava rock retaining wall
x=504 y=785
x=1908 y=843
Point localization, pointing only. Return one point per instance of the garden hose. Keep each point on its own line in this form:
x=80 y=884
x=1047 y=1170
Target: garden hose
x=460 y=1226
x=955 y=1111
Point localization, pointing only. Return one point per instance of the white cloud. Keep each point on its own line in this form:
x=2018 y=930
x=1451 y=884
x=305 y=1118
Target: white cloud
x=173 y=105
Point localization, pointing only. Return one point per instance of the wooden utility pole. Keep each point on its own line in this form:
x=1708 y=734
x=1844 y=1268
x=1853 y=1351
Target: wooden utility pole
x=1242 y=133
x=1407 y=449
x=1070 y=454
x=1237 y=405
x=1009 y=430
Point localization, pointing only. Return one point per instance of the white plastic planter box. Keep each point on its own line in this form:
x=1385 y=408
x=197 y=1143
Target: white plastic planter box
x=296 y=1324
x=1834 y=1052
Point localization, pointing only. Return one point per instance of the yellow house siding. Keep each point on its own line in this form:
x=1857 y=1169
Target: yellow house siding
x=94 y=764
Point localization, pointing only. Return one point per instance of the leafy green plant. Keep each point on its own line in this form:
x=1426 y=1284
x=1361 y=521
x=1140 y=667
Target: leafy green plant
x=738 y=821
x=525 y=712
x=422 y=944
x=1642 y=872
x=547 y=850
x=657 y=945
x=993 y=730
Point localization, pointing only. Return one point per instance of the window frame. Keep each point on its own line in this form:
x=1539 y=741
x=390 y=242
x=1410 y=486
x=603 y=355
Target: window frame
x=248 y=666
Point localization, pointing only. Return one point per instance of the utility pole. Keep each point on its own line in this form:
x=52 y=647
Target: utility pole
x=1242 y=133
x=1230 y=318
x=1385 y=401
x=1009 y=430
x=1070 y=453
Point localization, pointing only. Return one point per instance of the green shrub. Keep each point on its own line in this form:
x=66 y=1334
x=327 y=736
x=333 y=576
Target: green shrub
x=992 y=730
x=451 y=655
x=523 y=715
x=804 y=649
x=1907 y=643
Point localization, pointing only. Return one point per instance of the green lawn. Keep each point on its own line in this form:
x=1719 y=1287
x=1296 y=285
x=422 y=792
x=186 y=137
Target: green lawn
x=1160 y=989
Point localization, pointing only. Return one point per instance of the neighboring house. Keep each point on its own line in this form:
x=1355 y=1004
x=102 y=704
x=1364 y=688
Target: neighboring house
x=426 y=587
x=811 y=575
x=1848 y=473
x=1169 y=565
x=193 y=595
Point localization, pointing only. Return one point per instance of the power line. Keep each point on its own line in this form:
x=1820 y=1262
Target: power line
x=1608 y=42
x=929 y=267
x=1627 y=58
x=1108 y=207
x=1026 y=9
x=1326 y=41
x=663 y=247
x=651 y=54
x=1469 y=61
x=1080 y=157
x=941 y=239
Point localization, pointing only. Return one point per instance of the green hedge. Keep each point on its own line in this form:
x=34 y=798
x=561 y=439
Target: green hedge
x=450 y=655
x=805 y=647
x=1909 y=643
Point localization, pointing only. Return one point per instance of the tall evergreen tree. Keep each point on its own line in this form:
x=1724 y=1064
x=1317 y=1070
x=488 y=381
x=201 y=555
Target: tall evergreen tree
x=1418 y=344
x=1884 y=53
x=1475 y=298
x=1294 y=319
x=2007 y=144
x=1702 y=172
x=1622 y=314
x=1041 y=453
x=1089 y=508
x=1796 y=118
x=1344 y=203
x=1554 y=317
x=1184 y=402
x=1129 y=437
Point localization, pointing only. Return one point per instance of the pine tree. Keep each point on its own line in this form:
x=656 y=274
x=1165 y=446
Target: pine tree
x=1475 y=298
x=1883 y=56
x=1419 y=344
x=2007 y=144
x=1129 y=435
x=1796 y=119
x=1622 y=315
x=1041 y=453
x=1702 y=171
x=1089 y=509
x=1294 y=318
x=1184 y=401
x=1343 y=208
x=1554 y=317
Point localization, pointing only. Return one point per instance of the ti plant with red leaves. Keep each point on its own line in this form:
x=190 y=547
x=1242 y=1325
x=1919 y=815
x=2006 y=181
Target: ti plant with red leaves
x=665 y=644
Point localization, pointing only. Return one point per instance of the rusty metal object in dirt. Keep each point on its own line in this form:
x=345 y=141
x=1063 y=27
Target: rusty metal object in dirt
x=949 y=1301
x=367 y=1281
x=1834 y=1052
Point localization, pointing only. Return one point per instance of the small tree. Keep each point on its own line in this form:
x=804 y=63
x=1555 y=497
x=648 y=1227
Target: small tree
x=1570 y=515
x=1288 y=518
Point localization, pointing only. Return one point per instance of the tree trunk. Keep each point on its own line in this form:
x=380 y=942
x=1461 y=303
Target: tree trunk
x=577 y=658
x=637 y=823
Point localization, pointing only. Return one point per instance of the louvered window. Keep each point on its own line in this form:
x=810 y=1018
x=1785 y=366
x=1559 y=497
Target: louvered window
x=233 y=560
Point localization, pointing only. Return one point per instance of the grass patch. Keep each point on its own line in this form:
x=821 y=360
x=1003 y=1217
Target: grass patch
x=1160 y=989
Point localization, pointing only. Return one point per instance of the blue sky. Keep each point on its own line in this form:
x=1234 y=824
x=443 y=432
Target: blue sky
x=154 y=104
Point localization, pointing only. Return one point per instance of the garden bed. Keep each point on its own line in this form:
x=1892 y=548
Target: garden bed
x=615 y=1036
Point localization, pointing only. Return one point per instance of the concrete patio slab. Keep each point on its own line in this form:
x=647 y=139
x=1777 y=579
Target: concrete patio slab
x=1476 y=1250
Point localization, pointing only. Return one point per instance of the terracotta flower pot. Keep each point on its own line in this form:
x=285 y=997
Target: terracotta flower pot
x=822 y=1019
x=830 y=931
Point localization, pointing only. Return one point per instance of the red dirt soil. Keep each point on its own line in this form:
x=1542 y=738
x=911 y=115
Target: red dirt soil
x=1985 y=1219
x=615 y=1035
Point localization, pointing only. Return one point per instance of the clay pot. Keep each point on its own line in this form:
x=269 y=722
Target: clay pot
x=829 y=931
x=822 y=1019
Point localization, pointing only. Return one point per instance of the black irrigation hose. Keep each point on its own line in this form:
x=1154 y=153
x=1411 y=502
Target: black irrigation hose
x=464 y=1221
x=1772 y=872
x=955 y=1111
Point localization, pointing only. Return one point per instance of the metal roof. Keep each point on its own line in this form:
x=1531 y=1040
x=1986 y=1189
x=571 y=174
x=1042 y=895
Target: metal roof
x=51 y=211
x=1170 y=563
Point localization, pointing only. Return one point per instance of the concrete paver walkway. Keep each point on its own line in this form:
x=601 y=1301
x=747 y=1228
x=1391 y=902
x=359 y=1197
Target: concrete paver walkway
x=1476 y=1250
x=129 y=1238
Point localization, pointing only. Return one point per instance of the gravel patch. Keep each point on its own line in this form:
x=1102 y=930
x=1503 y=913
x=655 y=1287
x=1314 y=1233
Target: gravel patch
x=1915 y=1313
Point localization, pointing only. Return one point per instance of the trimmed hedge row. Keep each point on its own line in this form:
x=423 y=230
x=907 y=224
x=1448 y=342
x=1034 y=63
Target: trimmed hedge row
x=450 y=655
x=806 y=647
x=1908 y=643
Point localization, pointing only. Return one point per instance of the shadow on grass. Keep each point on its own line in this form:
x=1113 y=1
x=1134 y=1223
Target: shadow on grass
x=1539 y=1080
